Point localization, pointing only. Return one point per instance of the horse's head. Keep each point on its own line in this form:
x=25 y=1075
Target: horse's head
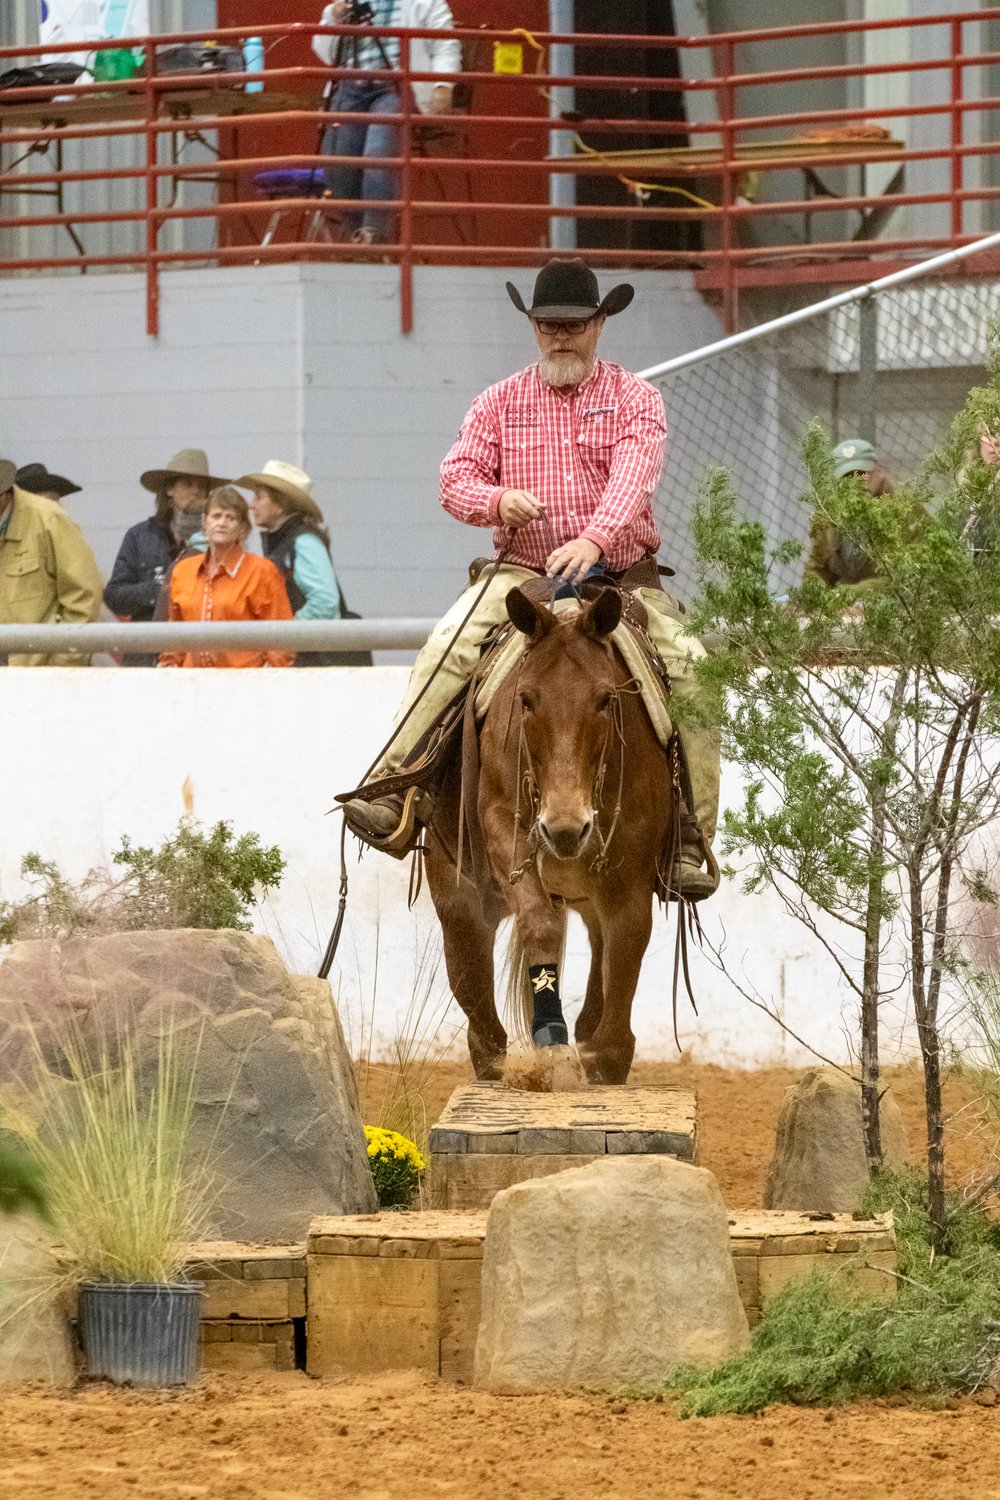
x=566 y=688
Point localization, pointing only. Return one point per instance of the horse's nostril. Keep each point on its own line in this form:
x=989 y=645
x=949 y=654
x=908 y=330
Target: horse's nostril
x=566 y=840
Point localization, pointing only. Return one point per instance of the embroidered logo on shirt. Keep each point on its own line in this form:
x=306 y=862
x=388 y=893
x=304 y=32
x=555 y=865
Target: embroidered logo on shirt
x=526 y=417
x=601 y=411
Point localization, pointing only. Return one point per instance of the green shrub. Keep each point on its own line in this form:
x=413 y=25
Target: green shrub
x=821 y=1340
x=194 y=879
x=396 y=1166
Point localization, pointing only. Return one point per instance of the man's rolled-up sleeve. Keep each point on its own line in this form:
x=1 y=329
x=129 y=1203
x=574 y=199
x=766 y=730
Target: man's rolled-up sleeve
x=446 y=51
x=636 y=466
x=469 y=474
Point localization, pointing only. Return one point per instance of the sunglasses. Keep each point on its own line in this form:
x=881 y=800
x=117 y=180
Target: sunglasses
x=571 y=326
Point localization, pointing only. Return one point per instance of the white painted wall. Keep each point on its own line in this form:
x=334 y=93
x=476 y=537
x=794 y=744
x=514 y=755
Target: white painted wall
x=90 y=755
x=303 y=363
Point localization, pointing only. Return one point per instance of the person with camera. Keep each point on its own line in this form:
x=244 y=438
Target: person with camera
x=369 y=99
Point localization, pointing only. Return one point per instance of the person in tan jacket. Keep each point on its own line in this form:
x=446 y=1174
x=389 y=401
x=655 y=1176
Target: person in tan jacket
x=48 y=574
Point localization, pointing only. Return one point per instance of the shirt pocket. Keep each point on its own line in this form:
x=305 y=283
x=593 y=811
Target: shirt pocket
x=24 y=590
x=521 y=461
x=596 y=440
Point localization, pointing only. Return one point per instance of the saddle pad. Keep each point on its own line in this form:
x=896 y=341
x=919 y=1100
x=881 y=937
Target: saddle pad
x=511 y=651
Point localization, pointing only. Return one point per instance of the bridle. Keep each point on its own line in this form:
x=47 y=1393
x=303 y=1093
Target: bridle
x=526 y=790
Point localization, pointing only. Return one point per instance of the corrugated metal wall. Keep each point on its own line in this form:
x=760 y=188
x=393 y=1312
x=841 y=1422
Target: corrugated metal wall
x=19 y=25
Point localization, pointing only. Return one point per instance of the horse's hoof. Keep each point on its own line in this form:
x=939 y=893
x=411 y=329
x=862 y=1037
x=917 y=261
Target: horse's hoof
x=544 y=1070
x=552 y=1034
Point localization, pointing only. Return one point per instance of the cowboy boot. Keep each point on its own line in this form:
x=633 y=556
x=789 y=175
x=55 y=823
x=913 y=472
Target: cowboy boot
x=392 y=823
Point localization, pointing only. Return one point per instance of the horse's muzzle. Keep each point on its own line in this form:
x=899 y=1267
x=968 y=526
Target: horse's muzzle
x=564 y=839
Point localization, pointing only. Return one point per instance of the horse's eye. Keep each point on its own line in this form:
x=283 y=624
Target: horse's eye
x=603 y=702
x=527 y=703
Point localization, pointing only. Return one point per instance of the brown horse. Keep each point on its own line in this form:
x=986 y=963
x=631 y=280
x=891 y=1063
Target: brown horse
x=576 y=809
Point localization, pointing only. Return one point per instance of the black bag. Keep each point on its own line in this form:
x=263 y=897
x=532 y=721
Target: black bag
x=185 y=57
x=348 y=658
x=41 y=75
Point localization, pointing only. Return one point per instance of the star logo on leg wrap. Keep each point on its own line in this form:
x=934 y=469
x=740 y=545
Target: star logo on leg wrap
x=545 y=979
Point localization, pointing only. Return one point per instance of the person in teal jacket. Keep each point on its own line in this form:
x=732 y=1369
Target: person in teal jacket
x=297 y=542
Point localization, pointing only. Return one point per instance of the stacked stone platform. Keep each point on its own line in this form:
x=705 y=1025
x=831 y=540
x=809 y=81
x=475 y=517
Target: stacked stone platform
x=253 y=1306
x=491 y=1136
x=402 y=1291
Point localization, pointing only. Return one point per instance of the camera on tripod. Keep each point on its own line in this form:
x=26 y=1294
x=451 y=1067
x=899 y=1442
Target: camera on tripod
x=360 y=13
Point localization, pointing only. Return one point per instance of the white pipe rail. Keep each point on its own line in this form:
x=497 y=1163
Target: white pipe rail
x=839 y=299
x=404 y=634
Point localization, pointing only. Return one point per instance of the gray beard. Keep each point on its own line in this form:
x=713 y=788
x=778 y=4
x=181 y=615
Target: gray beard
x=562 y=369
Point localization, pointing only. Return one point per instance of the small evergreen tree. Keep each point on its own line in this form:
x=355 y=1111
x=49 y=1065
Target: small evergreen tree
x=868 y=736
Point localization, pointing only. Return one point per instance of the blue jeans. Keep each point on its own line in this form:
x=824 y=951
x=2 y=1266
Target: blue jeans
x=364 y=138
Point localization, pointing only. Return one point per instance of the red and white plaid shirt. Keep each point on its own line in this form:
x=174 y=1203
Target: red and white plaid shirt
x=592 y=458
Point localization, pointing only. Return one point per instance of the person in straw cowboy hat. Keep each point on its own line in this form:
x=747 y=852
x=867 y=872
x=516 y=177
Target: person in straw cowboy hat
x=562 y=460
x=150 y=547
x=297 y=542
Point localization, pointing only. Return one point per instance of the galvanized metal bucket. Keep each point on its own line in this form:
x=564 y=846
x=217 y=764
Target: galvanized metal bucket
x=140 y=1334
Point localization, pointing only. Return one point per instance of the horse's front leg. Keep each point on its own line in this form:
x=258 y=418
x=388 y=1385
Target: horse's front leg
x=469 y=933
x=625 y=926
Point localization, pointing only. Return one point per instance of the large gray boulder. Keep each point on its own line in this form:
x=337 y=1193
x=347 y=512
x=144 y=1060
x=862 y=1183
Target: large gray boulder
x=607 y=1275
x=277 y=1109
x=35 y=1341
x=819 y=1164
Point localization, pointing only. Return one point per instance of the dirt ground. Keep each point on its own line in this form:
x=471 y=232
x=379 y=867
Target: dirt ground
x=406 y=1437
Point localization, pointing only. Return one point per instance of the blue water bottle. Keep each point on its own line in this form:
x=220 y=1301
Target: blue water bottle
x=253 y=62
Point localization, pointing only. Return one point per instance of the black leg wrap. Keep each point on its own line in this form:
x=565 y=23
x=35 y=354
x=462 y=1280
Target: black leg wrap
x=548 y=1029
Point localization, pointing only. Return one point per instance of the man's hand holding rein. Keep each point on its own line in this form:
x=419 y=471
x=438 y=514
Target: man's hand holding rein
x=519 y=508
x=573 y=560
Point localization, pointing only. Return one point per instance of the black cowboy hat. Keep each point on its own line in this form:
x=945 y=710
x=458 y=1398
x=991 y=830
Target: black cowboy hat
x=36 y=479
x=568 y=289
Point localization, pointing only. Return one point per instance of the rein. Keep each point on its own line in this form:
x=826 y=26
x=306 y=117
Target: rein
x=330 y=952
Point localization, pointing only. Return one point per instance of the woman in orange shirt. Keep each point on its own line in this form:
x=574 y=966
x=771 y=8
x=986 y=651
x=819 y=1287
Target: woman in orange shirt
x=227 y=583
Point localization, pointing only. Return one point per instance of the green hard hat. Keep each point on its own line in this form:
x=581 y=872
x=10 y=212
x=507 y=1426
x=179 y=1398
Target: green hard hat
x=852 y=456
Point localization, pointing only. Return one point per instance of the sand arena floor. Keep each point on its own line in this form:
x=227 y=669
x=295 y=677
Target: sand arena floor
x=404 y=1436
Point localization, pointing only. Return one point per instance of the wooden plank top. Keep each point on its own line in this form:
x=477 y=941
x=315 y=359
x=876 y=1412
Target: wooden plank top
x=492 y=1107
x=180 y=104
x=757 y=1232
x=752 y=156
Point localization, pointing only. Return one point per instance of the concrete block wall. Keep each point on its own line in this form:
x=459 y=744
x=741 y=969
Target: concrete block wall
x=304 y=363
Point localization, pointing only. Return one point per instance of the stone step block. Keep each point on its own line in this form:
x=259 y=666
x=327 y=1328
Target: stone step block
x=490 y=1137
x=401 y=1291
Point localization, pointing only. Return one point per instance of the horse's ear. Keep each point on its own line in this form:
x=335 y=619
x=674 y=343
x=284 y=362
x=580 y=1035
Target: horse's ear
x=533 y=620
x=600 y=618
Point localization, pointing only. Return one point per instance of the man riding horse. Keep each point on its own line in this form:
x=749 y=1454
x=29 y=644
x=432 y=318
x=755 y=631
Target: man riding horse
x=562 y=460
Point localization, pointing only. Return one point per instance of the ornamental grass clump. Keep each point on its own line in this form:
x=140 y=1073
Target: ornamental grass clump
x=105 y=1127
x=396 y=1166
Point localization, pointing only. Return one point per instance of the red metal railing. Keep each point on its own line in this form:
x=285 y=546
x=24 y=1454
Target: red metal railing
x=492 y=199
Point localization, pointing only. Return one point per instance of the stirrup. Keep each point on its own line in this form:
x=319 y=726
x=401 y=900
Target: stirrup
x=404 y=836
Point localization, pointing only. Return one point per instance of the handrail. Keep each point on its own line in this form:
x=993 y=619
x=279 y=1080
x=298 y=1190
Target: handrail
x=726 y=258
x=408 y=633
x=919 y=269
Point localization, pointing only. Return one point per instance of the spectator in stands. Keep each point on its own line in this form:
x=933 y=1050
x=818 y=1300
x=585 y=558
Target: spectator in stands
x=297 y=542
x=983 y=524
x=227 y=583
x=834 y=556
x=149 y=548
x=36 y=479
x=47 y=571
x=380 y=96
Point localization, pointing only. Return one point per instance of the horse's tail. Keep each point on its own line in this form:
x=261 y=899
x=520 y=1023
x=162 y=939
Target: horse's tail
x=518 y=1004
